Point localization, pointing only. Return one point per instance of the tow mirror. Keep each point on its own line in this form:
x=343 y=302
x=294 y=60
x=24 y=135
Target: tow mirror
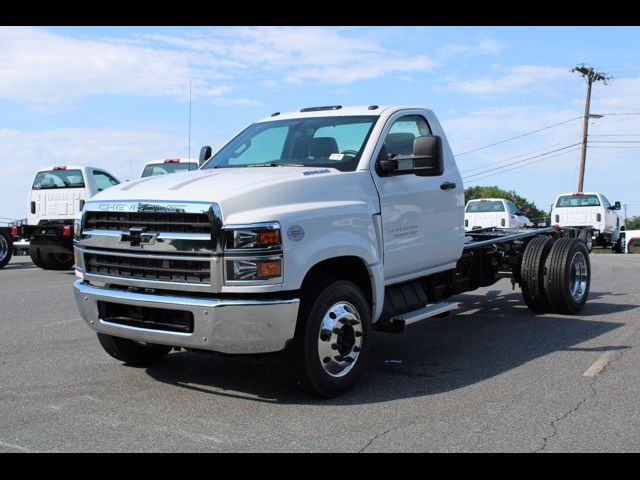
x=616 y=206
x=205 y=154
x=427 y=156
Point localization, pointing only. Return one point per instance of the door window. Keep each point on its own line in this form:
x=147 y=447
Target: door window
x=399 y=140
x=104 y=180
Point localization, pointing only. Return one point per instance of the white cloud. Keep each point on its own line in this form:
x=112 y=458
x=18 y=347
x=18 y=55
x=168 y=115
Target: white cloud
x=49 y=70
x=516 y=79
x=484 y=46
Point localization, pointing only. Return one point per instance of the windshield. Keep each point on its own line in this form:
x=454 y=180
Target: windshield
x=164 y=168
x=58 y=179
x=330 y=142
x=484 y=207
x=578 y=201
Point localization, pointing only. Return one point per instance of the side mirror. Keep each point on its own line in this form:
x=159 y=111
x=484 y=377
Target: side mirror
x=205 y=154
x=616 y=206
x=427 y=156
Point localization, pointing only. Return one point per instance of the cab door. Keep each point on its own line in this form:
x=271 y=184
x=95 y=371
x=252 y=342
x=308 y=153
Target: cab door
x=421 y=215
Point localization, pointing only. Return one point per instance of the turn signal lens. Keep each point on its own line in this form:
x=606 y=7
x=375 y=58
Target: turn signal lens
x=269 y=268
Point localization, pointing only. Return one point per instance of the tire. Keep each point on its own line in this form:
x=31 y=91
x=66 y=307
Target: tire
x=328 y=361
x=6 y=249
x=568 y=276
x=586 y=237
x=50 y=261
x=36 y=258
x=132 y=352
x=532 y=274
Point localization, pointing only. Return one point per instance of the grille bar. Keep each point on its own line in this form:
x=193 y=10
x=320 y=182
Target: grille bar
x=166 y=222
x=149 y=268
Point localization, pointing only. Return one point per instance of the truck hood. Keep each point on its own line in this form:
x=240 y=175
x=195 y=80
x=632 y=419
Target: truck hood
x=239 y=190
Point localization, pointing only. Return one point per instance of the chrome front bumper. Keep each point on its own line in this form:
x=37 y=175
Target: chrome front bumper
x=221 y=325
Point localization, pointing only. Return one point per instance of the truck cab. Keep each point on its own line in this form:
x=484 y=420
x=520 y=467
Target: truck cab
x=58 y=194
x=168 y=165
x=493 y=212
x=590 y=214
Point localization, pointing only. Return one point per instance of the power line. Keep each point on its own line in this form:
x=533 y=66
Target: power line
x=518 y=136
x=528 y=164
x=523 y=160
x=546 y=147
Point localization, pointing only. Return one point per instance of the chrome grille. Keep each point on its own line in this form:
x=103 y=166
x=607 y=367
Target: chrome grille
x=145 y=267
x=171 y=222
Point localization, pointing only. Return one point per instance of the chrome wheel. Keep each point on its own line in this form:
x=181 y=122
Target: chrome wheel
x=578 y=277
x=4 y=248
x=340 y=339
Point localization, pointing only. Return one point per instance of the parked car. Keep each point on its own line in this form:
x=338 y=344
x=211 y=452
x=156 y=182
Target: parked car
x=493 y=212
x=168 y=165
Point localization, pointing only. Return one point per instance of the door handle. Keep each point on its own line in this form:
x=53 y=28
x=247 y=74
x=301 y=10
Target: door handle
x=447 y=186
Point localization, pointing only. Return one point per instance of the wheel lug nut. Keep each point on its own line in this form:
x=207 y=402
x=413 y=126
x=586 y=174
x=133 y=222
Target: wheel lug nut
x=334 y=346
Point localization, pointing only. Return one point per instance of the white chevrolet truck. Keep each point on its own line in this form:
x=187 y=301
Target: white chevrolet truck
x=493 y=212
x=590 y=216
x=303 y=233
x=57 y=195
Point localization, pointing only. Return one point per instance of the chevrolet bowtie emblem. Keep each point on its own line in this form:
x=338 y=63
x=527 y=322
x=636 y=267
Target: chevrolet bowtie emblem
x=138 y=236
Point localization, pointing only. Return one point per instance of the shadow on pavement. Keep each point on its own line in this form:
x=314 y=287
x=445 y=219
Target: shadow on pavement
x=430 y=357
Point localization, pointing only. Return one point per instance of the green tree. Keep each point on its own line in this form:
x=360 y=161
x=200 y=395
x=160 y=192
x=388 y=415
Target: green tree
x=527 y=208
x=633 y=223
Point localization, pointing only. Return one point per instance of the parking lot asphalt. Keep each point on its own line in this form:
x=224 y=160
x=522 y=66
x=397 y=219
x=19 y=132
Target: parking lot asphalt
x=492 y=377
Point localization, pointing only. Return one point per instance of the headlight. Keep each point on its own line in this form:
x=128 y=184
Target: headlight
x=264 y=270
x=253 y=254
x=255 y=236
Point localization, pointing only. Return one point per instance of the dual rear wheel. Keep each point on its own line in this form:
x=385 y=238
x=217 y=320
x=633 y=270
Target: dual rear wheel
x=555 y=275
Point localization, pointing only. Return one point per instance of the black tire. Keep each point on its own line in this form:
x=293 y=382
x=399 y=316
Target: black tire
x=132 y=352
x=586 y=237
x=6 y=249
x=36 y=256
x=50 y=261
x=566 y=294
x=310 y=372
x=532 y=274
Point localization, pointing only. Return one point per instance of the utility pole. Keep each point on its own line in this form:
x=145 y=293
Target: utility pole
x=189 y=153
x=591 y=76
x=625 y=215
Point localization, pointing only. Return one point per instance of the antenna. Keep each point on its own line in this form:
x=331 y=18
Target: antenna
x=189 y=152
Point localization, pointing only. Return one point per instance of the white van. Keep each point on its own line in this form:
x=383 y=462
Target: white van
x=493 y=212
x=590 y=211
x=57 y=195
x=168 y=165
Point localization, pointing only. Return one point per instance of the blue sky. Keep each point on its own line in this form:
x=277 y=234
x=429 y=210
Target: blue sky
x=116 y=97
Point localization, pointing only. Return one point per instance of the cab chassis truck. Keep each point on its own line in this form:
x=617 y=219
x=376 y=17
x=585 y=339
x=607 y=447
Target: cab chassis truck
x=351 y=220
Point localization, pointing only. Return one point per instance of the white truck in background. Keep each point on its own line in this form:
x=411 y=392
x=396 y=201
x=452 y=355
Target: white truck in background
x=590 y=216
x=630 y=241
x=57 y=196
x=493 y=212
x=168 y=165
x=302 y=234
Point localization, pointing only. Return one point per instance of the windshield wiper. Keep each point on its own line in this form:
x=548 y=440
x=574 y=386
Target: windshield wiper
x=275 y=164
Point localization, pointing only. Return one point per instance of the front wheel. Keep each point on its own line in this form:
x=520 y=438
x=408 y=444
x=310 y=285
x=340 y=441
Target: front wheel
x=331 y=345
x=132 y=352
